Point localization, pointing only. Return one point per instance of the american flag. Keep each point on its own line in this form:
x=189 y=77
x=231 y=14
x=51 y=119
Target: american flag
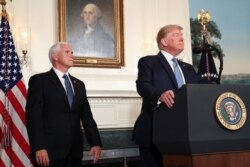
x=14 y=143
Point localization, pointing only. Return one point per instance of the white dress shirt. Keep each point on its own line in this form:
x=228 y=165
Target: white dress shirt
x=60 y=76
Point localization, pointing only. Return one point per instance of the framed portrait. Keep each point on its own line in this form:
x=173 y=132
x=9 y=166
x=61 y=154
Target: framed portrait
x=95 y=30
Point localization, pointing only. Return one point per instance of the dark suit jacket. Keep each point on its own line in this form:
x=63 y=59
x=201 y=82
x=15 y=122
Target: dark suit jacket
x=98 y=43
x=52 y=124
x=156 y=76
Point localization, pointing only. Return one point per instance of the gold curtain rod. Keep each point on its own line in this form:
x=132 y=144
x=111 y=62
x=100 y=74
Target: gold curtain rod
x=4 y=13
x=3 y=3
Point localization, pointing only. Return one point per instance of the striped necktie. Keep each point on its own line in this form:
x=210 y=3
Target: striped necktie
x=69 y=89
x=177 y=73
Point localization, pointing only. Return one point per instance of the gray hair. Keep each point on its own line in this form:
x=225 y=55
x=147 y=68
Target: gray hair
x=54 y=49
x=96 y=8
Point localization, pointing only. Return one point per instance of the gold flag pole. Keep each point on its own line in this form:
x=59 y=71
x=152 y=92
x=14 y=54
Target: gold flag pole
x=3 y=3
x=4 y=13
x=204 y=17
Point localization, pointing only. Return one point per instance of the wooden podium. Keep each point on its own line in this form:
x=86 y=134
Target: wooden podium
x=190 y=135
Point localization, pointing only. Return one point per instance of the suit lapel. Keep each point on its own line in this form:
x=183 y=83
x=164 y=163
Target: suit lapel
x=164 y=63
x=184 y=69
x=55 y=80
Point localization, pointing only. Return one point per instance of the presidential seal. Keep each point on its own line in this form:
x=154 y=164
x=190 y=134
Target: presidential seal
x=230 y=111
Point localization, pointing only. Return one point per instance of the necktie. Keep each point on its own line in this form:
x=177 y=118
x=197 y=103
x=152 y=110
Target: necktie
x=69 y=89
x=177 y=73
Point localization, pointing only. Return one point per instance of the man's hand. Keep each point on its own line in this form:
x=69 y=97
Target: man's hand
x=167 y=98
x=42 y=157
x=96 y=152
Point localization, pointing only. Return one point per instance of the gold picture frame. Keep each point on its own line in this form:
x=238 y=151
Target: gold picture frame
x=93 y=50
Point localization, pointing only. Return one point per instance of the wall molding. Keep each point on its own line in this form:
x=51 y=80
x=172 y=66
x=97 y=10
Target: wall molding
x=115 y=112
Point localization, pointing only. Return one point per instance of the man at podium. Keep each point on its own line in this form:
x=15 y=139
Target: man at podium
x=159 y=76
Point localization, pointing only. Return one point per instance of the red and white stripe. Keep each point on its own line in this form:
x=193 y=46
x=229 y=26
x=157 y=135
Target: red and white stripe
x=17 y=155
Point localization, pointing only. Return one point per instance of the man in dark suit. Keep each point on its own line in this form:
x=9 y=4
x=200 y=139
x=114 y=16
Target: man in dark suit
x=156 y=84
x=93 y=40
x=54 y=122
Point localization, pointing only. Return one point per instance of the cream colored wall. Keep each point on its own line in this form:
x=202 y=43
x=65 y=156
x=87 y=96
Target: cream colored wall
x=112 y=92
